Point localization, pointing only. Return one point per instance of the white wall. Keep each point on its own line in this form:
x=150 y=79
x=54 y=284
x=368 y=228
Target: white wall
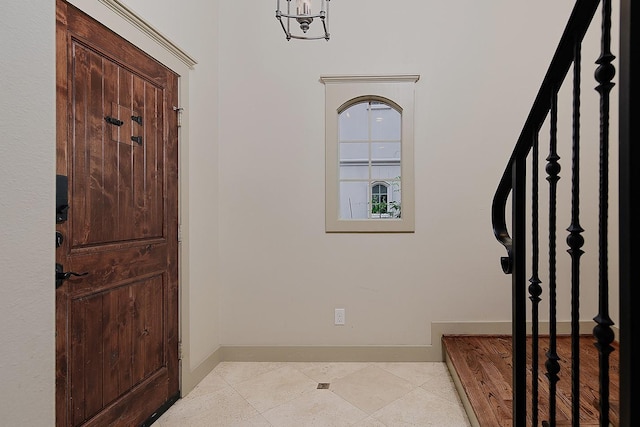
x=27 y=186
x=480 y=63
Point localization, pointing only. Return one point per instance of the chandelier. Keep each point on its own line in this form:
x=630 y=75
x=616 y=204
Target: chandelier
x=303 y=17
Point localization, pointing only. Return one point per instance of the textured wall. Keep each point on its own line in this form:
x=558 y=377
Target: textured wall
x=481 y=64
x=27 y=183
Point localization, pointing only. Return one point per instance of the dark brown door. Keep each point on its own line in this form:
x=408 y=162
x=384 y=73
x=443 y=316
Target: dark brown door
x=117 y=326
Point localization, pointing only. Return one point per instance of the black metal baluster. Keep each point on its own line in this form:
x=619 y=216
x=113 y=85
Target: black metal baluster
x=629 y=235
x=535 y=290
x=553 y=171
x=519 y=293
x=575 y=241
x=602 y=331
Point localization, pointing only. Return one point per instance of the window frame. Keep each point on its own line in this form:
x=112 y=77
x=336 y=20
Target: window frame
x=342 y=91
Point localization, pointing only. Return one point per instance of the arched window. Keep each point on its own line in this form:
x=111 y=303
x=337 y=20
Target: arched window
x=379 y=201
x=370 y=158
x=369 y=143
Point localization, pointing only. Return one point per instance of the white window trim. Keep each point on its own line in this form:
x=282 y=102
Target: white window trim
x=341 y=89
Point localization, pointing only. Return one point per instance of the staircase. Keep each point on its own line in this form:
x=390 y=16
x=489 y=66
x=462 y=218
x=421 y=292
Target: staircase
x=538 y=376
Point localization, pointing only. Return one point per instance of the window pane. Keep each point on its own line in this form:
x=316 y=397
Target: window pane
x=354 y=198
x=395 y=199
x=379 y=189
x=354 y=171
x=385 y=150
x=385 y=172
x=394 y=191
x=385 y=123
x=354 y=123
x=354 y=151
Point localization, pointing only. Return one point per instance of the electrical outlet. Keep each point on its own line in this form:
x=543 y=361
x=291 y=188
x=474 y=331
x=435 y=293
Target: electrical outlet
x=339 y=316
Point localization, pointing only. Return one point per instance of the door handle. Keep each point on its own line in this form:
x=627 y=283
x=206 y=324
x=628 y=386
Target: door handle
x=62 y=275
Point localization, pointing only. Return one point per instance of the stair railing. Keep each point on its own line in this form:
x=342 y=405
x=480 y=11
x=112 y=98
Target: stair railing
x=513 y=184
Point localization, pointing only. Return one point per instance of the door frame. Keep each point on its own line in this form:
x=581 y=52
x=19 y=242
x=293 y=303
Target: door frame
x=133 y=28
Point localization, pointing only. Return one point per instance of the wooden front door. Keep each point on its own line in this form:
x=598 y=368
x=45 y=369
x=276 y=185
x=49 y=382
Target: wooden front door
x=116 y=326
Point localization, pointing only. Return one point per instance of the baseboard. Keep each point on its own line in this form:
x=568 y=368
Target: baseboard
x=399 y=353
x=425 y=353
x=438 y=329
x=473 y=420
x=191 y=378
x=500 y=328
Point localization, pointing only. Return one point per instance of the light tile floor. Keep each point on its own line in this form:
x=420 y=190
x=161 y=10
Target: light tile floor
x=286 y=394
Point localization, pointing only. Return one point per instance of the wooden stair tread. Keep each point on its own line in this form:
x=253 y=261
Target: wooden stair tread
x=483 y=365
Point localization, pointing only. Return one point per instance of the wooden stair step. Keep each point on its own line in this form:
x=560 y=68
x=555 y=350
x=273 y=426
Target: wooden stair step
x=483 y=366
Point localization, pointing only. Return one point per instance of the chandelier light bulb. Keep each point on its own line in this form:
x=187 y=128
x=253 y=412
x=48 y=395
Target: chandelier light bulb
x=303 y=7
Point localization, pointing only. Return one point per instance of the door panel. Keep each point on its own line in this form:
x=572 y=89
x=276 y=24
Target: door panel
x=118 y=183
x=116 y=327
x=123 y=330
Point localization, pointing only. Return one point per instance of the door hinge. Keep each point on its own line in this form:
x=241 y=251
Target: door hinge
x=179 y=350
x=179 y=111
x=179 y=233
